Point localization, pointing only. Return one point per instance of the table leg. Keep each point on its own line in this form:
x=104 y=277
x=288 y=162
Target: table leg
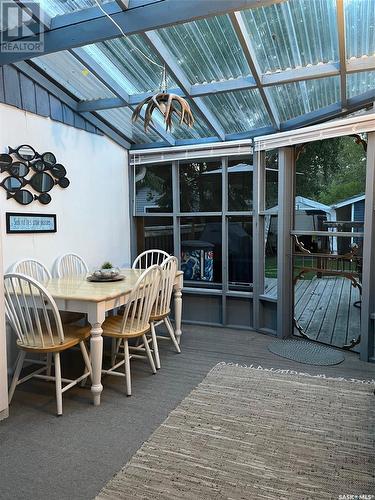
x=178 y=309
x=96 y=350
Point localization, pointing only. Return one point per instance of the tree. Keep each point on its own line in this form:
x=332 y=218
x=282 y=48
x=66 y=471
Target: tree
x=331 y=170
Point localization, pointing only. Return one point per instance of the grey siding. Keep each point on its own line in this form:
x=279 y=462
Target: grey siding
x=16 y=89
x=359 y=210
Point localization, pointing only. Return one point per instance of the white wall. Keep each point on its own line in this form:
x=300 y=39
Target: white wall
x=92 y=213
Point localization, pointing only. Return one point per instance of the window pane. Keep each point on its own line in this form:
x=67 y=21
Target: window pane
x=293 y=34
x=360 y=28
x=66 y=70
x=240 y=253
x=240 y=184
x=121 y=119
x=298 y=98
x=201 y=251
x=270 y=261
x=238 y=111
x=58 y=7
x=359 y=83
x=155 y=232
x=272 y=180
x=207 y=50
x=200 y=186
x=153 y=186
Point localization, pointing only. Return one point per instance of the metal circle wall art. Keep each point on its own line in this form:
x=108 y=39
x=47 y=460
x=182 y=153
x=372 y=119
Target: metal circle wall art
x=19 y=162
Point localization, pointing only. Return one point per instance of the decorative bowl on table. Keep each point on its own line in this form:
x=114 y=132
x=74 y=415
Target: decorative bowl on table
x=106 y=274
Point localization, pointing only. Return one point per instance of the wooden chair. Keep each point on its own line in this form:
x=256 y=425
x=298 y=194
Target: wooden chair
x=35 y=319
x=71 y=264
x=149 y=258
x=161 y=310
x=33 y=268
x=134 y=323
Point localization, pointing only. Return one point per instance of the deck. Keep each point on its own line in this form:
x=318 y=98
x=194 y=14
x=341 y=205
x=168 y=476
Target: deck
x=324 y=308
x=83 y=449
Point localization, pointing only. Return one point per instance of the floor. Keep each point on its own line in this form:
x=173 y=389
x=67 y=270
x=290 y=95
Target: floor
x=73 y=457
x=324 y=308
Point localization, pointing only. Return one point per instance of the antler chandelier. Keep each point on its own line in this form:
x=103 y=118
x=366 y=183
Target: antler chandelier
x=168 y=104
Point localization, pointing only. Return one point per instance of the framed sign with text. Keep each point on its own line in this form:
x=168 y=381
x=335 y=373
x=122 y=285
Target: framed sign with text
x=30 y=223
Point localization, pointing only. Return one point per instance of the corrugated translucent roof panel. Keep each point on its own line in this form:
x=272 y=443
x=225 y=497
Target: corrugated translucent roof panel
x=359 y=83
x=238 y=111
x=293 y=34
x=199 y=129
x=65 y=69
x=297 y=98
x=121 y=119
x=57 y=7
x=359 y=28
x=207 y=50
x=127 y=57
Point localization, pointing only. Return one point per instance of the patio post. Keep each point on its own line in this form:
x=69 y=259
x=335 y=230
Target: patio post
x=284 y=242
x=368 y=274
x=3 y=351
x=258 y=236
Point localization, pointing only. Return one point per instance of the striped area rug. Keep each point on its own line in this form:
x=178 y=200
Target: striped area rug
x=251 y=434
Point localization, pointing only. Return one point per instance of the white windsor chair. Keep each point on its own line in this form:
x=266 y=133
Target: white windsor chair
x=71 y=264
x=35 y=319
x=149 y=258
x=134 y=323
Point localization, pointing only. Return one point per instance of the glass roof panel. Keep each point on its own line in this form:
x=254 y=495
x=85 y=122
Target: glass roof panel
x=238 y=111
x=359 y=83
x=124 y=59
x=121 y=119
x=359 y=28
x=207 y=50
x=293 y=34
x=65 y=69
x=57 y=7
x=199 y=129
x=297 y=98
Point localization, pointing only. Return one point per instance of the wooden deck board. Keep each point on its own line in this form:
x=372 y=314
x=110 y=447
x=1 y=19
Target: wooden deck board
x=328 y=325
x=354 y=323
x=324 y=308
x=317 y=319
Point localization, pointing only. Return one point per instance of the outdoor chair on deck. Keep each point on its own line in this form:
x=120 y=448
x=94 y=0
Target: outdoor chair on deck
x=149 y=258
x=35 y=319
x=71 y=264
x=134 y=323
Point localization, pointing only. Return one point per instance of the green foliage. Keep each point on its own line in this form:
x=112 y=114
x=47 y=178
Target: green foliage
x=107 y=265
x=338 y=192
x=331 y=170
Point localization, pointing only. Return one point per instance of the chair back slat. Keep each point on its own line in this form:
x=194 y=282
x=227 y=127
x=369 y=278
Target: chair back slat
x=33 y=268
x=36 y=314
x=149 y=258
x=11 y=308
x=18 y=309
x=71 y=264
x=142 y=298
x=31 y=311
x=168 y=275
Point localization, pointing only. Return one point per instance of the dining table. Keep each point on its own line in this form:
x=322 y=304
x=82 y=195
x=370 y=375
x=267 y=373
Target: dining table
x=78 y=294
